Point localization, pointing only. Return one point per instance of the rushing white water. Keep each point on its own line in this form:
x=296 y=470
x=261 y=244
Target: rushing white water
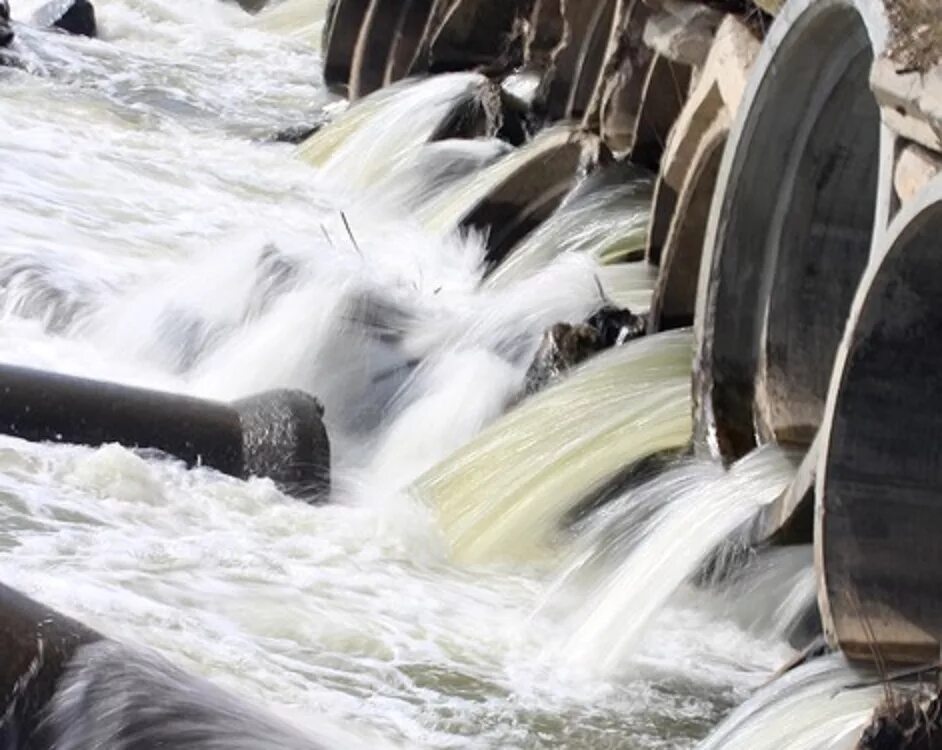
x=150 y=235
x=506 y=492
x=446 y=211
x=650 y=561
x=818 y=706
x=608 y=222
x=408 y=114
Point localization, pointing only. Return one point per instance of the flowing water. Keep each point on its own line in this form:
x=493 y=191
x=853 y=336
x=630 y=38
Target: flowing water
x=151 y=234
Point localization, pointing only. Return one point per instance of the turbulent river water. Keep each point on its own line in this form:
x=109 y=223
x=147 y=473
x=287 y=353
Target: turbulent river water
x=150 y=234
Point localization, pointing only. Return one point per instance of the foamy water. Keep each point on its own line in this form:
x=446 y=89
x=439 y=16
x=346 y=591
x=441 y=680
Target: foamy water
x=149 y=235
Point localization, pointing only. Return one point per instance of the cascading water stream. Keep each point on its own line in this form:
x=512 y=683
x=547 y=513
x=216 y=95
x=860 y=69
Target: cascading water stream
x=151 y=234
x=823 y=705
x=607 y=223
x=640 y=565
x=506 y=492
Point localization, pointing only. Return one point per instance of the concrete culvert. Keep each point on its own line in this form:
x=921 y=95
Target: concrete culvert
x=880 y=483
x=790 y=227
x=675 y=294
x=342 y=27
x=407 y=39
x=279 y=435
x=373 y=47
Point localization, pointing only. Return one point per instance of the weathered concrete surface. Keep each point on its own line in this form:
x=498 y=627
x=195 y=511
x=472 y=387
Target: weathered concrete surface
x=665 y=91
x=36 y=646
x=279 y=435
x=879 y=484
x=407 y=39
x=616 y=103
x=682 y=31
x=790 y=519
x=911 y=101
x=466 y=34
x=689 y=169
x=577 y=61
x=790 y=228
x=674 y=301
x=342 y=28
x=720 y=85
x=521 y=202
x=915 y=168
x=374 y=47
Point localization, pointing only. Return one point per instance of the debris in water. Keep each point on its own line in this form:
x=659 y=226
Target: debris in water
x=564 y=345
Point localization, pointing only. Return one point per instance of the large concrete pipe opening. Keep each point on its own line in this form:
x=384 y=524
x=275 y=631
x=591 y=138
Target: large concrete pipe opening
x=675 y=293
x=880 y=484
x=790 y=229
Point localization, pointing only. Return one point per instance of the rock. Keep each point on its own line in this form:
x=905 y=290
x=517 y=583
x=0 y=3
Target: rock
x=6 y=33
x=295 y=134
x=562 y=348
x=75 y=17
x=252 y=6
x=617 y=325
x=564 y=345
x=909 y=724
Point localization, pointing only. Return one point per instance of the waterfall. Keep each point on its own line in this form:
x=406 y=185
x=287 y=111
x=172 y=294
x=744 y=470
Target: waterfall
x=446 y=211
x=607 y=224
x=492 y=570
x=642 y=565
x=506 y=492
x=813 y=707
x=377 y=134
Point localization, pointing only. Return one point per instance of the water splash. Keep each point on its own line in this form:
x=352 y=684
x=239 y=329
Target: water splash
x=652 y=560
x=380 y=133
x=506 y=492
x=809 y=708
x=608 y=223
x=446 y=212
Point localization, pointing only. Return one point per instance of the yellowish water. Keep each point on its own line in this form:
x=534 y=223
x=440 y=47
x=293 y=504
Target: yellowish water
x=356 y=144
x=299 y=19
x=446 y=212
x=609 y=224
x=504 y=495
x=629 y=285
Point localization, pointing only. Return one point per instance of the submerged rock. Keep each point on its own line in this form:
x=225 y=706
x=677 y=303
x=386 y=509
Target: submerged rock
x=910 y=725
x=564 y=346
x=72 y=16
x=6 y=33
x=295 y=134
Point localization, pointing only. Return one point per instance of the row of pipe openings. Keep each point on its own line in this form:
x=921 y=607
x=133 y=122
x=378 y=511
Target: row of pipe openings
x=586 y=56
x=774 y=231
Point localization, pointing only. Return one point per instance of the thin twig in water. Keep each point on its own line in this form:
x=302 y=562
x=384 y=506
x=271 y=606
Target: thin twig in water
x=327 y=236
x=350 y=234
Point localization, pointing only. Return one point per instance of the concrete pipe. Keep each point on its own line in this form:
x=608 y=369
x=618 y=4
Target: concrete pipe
x=577 y=63
x=467 y=34
x=342 y=28
x=64 y=686
x=675 y=293
x=527 y=197
x=790 y=227
x=279 y=435
x=407 y=39
x=616 y=104
x=665 y=91
x=36 y=646
x=373 y=47
x=879 y=484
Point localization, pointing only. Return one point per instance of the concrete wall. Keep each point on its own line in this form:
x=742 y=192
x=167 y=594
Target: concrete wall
x=880 y=478
x=790 y=228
